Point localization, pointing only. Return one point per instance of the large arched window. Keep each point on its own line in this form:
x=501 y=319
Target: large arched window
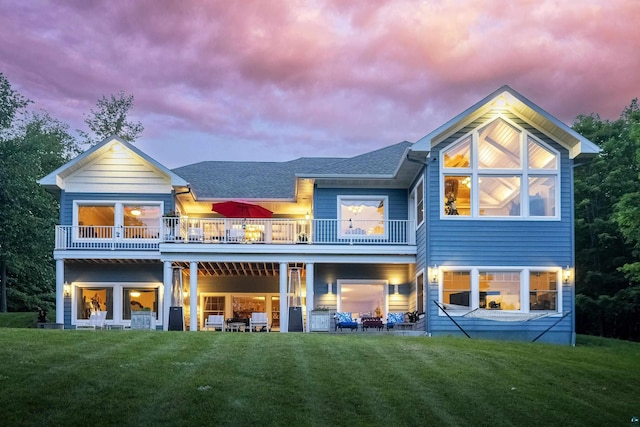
x=500 y=171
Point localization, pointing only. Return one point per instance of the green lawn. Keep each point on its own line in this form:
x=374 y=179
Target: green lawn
x=55 y=377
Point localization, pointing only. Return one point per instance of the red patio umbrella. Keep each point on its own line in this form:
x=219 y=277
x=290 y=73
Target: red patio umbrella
x=234 y=209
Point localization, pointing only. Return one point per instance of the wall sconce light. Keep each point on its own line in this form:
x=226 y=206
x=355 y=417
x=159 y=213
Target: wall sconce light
x=307 y=216
x=566 y=275
x=395 y=289
x=434 y=274
x=329 y=288
x=67 y=289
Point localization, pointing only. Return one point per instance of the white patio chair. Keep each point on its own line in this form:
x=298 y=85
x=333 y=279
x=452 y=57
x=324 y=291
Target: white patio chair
x=258 y=320
x=214 y=321
x=97 y=318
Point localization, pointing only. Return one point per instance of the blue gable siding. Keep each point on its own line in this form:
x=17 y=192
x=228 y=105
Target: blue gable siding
x=67 y=199
x=325 y=201
x=495 y=242
x=462 y=241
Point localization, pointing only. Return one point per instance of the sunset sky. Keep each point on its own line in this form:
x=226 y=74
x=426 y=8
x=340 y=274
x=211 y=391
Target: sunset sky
x=277 y=80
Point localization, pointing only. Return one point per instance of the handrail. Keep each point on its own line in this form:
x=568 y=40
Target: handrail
x=237 y=230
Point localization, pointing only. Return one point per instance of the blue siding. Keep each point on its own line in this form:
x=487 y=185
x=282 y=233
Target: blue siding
x=491 y=242
x=325 y=201
x=67 y=199
x=457 y=241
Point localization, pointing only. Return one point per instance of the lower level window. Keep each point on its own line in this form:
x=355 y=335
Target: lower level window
x=139 y=299
x=95 y=299
x=509 y=290
x=500 y=290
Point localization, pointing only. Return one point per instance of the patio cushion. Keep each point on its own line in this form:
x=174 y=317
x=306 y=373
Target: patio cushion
x=395 y=318
x=344 y=317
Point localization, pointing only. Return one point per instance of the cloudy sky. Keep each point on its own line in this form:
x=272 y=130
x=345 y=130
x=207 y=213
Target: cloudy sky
x=277 y=80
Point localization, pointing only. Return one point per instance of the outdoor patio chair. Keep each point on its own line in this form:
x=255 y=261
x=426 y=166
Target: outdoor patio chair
x=215 y=322
x=258 y=320
x=97 y=318
x=393 y=319
x=344 y=320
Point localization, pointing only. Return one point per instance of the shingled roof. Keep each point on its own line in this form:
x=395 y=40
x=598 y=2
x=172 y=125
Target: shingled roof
x=276 y=180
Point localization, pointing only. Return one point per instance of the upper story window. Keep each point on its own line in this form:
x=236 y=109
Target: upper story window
x=417 y=202
x=500 y=171
x=362 y=216
x=132 y=220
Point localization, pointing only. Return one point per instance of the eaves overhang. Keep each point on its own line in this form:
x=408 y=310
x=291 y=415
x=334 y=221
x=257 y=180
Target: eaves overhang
x=505 y=99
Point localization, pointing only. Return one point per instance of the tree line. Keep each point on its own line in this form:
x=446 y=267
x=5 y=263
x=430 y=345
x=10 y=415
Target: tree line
x=607 y=207
x=33 y=144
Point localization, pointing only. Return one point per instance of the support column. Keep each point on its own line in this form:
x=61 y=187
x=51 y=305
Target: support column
x=59 y=291
x=167 y=275
x=310 y=293
x=193 y=296
x=284 y=298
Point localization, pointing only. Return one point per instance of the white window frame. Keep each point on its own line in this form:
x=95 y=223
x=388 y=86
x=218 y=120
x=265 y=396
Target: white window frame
x=117 y=288
x=118 y=212
x=385 y=200
x=414 y=202
x=523 y=172
x=524 y=288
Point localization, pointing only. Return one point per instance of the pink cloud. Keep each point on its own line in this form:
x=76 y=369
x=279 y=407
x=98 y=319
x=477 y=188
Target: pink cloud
x=301 y=78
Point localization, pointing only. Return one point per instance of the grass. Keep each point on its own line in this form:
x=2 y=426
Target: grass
x=54 y=377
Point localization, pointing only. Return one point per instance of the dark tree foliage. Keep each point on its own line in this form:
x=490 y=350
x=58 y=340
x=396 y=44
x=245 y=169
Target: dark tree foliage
x=110 y=118
x=29 y=149
x=607 y=208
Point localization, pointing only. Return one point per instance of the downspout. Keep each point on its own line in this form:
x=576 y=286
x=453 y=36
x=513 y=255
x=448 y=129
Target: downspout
x=425 y=278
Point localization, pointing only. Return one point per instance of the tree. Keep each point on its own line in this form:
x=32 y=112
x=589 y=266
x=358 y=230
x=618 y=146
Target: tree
x=110 y=118
x=11 y=103
x=29 y=149
x=601 y=248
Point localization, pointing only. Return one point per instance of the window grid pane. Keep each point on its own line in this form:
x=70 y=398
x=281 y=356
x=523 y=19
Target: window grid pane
x=500 y=290
x=543 y=290
x=456 y=288
x=457 y=195
x=499 y=196
x=499 y=146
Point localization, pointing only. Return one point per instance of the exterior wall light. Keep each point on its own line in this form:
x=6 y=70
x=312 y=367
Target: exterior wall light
x=395 y=289
x=434 y=273
x=67 y=289
x=329 y=288
x=566 y=275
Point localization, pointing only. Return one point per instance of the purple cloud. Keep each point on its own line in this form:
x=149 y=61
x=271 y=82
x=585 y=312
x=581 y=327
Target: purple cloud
x=288 y=79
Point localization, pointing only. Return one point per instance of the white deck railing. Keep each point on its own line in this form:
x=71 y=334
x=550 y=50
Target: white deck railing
x=232 y=230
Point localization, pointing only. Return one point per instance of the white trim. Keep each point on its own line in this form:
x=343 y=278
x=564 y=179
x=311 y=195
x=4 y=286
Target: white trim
x=524 y=271
x=523 y=173
x=117 y=288
x=413 y=203
x=385 y=219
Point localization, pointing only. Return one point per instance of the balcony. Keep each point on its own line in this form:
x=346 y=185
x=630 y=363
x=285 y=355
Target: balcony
x=274 y=231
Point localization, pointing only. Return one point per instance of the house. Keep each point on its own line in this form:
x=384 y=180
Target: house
x=470 y=226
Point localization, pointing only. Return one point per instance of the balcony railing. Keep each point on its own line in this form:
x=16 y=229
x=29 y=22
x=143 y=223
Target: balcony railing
x=232 y=230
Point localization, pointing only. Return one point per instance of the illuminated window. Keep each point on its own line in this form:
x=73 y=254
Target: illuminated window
x=107 y=220
x=496 y=290
x=139 y=299
x=96 y=221
x=141 y=221
x=499 y=290
x=543 y=290
x=500 y=171
x=362 y=216
x=94 y=299
x=456 y=289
